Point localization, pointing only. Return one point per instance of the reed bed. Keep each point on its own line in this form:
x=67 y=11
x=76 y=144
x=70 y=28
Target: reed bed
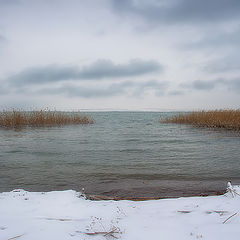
x=226 y=119
x=17 y=119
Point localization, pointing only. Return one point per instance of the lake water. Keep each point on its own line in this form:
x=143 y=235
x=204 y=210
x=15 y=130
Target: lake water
x=122 y=154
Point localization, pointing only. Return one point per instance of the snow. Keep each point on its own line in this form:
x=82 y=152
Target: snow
x=62 y=215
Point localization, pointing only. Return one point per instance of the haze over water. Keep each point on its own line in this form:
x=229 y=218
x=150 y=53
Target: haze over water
x=122 y=154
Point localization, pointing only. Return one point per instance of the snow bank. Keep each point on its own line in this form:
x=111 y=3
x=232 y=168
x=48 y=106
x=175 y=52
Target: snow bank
x=66 y=215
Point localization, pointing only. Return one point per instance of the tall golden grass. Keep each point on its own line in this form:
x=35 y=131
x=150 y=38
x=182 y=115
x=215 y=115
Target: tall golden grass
x=16 y=118
x=227 y=119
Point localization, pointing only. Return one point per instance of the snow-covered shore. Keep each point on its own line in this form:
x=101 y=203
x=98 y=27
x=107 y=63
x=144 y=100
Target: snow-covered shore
x=66 y=215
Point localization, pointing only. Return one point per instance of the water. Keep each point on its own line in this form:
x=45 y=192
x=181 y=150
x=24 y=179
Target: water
x=123 y=154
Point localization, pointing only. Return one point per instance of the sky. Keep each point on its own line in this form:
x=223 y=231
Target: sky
x=120 y=54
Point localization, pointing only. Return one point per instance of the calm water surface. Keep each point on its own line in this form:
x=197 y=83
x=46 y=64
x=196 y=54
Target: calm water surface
x=122 y=154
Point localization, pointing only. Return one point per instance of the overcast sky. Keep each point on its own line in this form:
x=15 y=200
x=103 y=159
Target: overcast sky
x=120 y=54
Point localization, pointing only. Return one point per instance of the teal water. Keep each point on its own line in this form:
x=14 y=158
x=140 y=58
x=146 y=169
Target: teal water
x=121 y=154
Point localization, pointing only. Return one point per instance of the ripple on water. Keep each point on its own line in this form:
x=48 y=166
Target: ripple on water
x=122 y=153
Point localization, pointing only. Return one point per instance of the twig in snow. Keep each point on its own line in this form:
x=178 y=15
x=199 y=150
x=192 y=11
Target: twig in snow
x=231 y=189
x=18 y=236
x=106 y=232
x=236 y=192
x=60 y=219
x=219 y=212
x=183 y=211
x=110 y=233
x=230 y=217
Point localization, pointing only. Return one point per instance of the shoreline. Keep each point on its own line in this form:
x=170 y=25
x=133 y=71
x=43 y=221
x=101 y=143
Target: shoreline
x=126 y=190
x=102 y=197
x=116 y=198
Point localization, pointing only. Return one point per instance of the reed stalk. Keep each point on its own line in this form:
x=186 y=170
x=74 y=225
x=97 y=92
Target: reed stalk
x=16 y=118
x=227 y=119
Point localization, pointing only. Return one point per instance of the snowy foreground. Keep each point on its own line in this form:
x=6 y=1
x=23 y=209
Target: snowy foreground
x=67 y=215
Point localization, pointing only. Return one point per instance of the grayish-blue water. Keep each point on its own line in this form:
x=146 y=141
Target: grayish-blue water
x=121 y=154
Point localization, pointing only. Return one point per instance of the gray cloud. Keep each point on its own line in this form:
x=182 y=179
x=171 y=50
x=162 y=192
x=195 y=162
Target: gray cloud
x=2 y=39
x=101 y=69
x=130 y=88
x=176 y=11
x=9 y=2
x=158 y=87
x=231 y=84
x=71 y=90
x=204 y=85
x=224 y=45
x=3 y=91
x=234 y=84
x=176 y=93
x=228 y=63
x=106 y=69
x=215 y=40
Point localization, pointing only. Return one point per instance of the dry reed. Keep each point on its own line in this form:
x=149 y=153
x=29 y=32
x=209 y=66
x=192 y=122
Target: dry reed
x=227 y=119
x=16 y=119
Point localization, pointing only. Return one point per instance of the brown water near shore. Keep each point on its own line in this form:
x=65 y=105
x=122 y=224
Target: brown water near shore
x=160 y=191
x=102 y=197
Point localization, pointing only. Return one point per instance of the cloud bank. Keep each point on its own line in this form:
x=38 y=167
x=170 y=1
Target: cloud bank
x=203 y=85
x=180 y=11
x=126 y=88
x=101 y=69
